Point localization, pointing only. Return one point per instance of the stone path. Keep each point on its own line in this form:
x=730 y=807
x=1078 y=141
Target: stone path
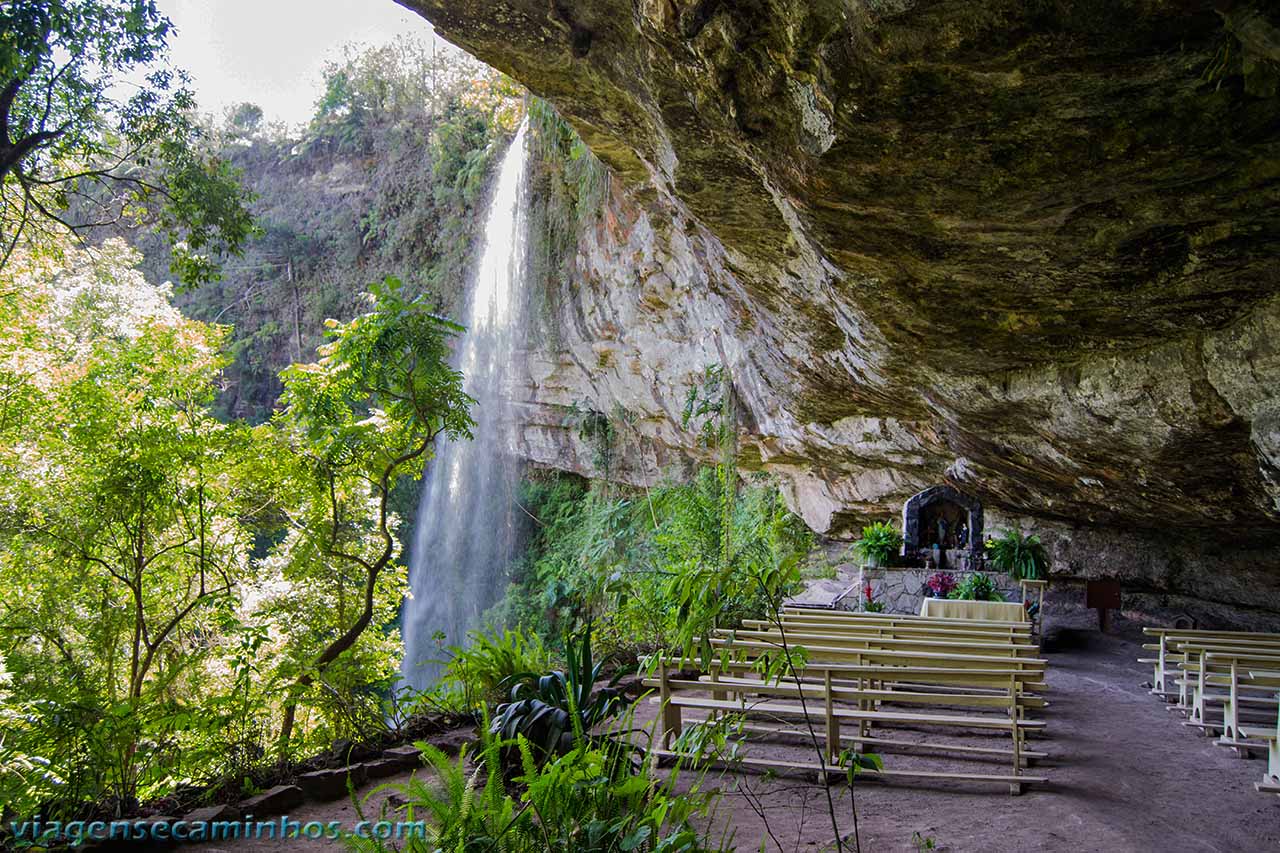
x=823 y=592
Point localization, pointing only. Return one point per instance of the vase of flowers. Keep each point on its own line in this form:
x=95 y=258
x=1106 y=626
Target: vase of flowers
x=940 y=584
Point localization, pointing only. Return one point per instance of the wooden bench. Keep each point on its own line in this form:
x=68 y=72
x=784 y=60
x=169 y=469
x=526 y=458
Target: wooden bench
x=823 y=646
x=1022 y=628
x=1270 y=783
x=1217 y=667
x=857 y=638
x=829 y=683
x=1165 y=659
x=808 y=623
x=889 y=655
x=1183 y=657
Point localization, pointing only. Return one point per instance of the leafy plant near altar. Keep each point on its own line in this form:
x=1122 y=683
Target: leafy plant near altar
x=1022 y=557
x=976 y=586
x=869 y=603
x=879 y=543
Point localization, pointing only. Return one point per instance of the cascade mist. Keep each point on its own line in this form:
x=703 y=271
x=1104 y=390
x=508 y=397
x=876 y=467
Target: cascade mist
x=466 y=527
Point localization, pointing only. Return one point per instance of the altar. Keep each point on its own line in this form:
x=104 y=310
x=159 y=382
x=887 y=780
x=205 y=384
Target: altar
x=985 y=611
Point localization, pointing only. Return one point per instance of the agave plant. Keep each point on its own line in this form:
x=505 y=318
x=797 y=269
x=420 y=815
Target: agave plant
x=555 y=710
x=1022 y=558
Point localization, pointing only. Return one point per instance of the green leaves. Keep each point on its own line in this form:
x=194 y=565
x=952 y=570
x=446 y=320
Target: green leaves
x=559 y=709
x=976 y=586
x=382 y=387
x=1023 y=558
x=859 y=762
x=66 y=128
x=879 y=543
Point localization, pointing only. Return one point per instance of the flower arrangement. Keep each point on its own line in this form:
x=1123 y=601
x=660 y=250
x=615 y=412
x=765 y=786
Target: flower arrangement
x=941 y=584
x=869 y=603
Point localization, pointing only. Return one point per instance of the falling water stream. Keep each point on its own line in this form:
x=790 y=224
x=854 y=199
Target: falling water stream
x=466 y=527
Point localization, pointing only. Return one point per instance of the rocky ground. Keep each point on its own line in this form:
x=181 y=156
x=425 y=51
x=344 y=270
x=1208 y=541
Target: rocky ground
x=1125 y=775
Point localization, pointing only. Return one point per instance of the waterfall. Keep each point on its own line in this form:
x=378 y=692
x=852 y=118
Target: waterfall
x=466 y=527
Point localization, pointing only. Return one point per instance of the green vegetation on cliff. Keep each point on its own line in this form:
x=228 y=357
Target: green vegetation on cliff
x=387 y=179
x=625 y=558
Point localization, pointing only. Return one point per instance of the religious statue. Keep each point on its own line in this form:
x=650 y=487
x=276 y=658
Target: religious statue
x=942 y=532
x=962 y=535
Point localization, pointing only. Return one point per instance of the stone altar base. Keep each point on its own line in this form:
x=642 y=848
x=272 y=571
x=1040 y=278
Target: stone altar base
x=902 y=590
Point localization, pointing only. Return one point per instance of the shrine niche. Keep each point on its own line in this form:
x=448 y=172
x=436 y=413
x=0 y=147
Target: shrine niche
x=944 y=520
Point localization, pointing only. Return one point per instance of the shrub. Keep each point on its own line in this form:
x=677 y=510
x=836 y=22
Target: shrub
x=581 y=802
x=557 y=710
x=1022 y=558
x=481 y=671
x=879 y=543
x=941 y=583
x=976 y=587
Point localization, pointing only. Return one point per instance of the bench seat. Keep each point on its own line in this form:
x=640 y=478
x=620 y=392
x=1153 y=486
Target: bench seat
x=908 y=717
x=835 y=769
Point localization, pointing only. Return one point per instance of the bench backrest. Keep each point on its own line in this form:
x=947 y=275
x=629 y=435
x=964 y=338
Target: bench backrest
x=899 y=618
x=1189 y=632
x=993 y=678
x=956 y=660
x=853 y=639
x=898 y=629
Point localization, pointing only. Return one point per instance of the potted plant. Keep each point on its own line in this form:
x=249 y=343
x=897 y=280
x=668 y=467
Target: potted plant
x=1021 y=557
x=940 y=584
x=976 y=587
x=878 y=545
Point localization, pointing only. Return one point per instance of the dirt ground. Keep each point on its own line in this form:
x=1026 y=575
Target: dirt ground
x=1125 y=775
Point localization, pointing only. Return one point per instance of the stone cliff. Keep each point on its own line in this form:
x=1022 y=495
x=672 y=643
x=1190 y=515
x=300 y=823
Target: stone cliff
x=1026 y=248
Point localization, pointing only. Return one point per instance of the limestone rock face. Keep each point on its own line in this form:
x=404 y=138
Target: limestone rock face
x=1029 y=249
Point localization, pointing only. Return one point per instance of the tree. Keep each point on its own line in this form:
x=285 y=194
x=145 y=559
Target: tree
x=122 y=540
x=69 y=140
x=363 y=415
x=245 y=119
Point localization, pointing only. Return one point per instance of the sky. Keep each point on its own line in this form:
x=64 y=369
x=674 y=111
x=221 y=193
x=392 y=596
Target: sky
x=271 y=52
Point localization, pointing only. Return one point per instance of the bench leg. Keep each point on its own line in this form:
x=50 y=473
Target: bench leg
x=1015 y=716
x=833 y=724
x=1230 y=712
x=671 y=724
x=1158 y=680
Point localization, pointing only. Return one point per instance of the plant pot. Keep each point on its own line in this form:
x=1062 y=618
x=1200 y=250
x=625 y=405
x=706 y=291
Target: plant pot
x=873 y=561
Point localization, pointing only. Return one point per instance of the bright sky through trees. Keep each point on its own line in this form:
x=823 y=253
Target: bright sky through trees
x=271 y=52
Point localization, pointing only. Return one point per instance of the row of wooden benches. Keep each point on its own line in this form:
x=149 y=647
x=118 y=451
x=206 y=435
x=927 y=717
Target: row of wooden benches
x=852 y=675
x=1223 y=681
